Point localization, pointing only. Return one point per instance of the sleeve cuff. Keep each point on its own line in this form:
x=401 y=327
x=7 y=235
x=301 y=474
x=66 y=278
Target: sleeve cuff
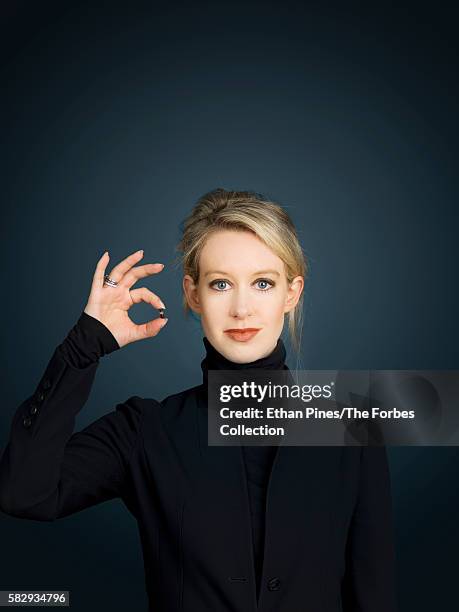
x=97 y=335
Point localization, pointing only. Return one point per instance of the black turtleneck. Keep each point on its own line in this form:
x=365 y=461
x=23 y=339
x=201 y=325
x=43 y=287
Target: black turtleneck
x=258 y=460
x=90 y=339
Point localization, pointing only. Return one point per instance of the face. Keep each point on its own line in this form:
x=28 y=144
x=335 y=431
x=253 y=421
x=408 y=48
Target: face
x=242 y=284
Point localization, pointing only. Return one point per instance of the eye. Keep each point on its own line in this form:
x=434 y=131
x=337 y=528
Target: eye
x=265 y=280
x=220 y=282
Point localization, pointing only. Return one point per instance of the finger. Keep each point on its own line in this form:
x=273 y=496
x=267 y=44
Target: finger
x=98 y=278
x=142 y=294
x=153 y=327
x=131 y=277
x=120 y=270
x=150 y=328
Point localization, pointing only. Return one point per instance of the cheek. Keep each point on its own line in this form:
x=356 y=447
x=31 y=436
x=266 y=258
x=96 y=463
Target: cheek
x=213 y=306
x=272 y=305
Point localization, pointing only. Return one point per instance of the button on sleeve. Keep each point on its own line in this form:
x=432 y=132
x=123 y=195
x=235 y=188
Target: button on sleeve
x=48 y=475
x=47 y=470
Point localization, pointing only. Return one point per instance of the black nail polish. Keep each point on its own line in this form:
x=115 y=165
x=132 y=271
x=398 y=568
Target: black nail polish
x=161 y=313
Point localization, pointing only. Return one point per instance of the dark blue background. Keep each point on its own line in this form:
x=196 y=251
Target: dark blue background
x=116 y=119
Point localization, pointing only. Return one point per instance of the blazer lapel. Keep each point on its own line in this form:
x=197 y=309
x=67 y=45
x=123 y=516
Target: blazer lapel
x=300 y=498
x=301 y=494
x=226 y=485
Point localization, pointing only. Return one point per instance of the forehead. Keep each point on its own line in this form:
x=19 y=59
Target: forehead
x=232 y=250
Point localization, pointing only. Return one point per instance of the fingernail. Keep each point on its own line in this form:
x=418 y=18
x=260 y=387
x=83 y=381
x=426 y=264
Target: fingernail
x=164 y=322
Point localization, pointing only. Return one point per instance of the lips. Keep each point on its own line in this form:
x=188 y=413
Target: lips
x=242 y=335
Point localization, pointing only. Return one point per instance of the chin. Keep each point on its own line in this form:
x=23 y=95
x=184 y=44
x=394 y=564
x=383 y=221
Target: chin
x=241 y=352
x=241 y=356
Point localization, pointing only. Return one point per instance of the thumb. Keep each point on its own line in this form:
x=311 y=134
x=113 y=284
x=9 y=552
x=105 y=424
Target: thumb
x=152 y=328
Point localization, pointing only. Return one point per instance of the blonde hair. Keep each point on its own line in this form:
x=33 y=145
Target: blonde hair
x=244 y=211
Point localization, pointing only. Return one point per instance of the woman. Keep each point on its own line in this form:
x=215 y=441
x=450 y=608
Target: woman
x=230 y=529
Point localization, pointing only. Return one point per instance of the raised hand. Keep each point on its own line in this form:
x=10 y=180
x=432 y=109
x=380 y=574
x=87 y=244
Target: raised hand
x=110 y=305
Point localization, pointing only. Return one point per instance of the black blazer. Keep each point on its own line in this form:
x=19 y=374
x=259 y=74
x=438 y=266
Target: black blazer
x=329 y=538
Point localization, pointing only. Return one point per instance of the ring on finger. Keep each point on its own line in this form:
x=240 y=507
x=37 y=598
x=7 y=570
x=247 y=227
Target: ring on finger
x=109 y=281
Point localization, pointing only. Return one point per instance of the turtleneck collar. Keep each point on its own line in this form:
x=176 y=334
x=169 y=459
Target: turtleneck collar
x=214 y=360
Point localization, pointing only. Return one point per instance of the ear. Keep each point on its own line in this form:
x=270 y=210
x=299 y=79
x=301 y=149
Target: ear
x=294 y=293
x=191 y=293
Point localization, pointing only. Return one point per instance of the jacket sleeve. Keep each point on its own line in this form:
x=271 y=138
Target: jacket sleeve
x=46 y=470
x=369 y=583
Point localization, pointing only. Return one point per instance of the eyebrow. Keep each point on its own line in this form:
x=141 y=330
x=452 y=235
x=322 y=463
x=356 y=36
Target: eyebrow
x=227 y=273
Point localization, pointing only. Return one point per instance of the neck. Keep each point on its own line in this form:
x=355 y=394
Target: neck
x=214 y=360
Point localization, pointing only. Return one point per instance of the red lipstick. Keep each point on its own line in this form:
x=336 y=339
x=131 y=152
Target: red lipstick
x=242 y=335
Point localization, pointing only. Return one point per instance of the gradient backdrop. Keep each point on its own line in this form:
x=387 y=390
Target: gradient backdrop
x=117 y=117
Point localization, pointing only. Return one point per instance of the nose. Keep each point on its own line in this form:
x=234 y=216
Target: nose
x=240 y=305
